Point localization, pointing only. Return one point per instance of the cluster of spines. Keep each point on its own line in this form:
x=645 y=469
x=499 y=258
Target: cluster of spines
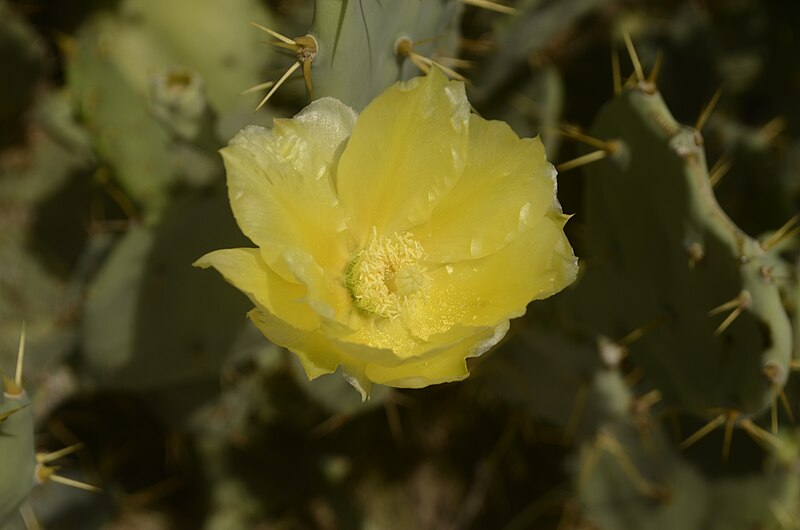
x=612 y=353
x=41 y=470
x=306 y=47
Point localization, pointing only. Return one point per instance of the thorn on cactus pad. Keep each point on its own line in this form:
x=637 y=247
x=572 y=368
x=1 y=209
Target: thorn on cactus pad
x=719 y=170
x=736 y=306
x=305 y=49
x=652 y=79
x=404 y=47
x=703 y=431
x=707 y=110
x=788 y=231
x=637 y=65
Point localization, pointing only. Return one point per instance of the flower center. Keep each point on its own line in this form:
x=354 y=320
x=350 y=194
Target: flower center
x=386 y=274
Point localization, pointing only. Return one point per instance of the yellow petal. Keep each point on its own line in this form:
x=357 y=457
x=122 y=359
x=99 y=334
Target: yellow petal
x=389 y=343
x=318 y=354
x=506 y=185
x=385 y=341
x=280 y=184
x=325 y=291
x=446 y=366
x=407 y=150
x=483 y=292
x=246 y=270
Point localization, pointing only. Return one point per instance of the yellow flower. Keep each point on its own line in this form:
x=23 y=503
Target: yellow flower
x=396 y=243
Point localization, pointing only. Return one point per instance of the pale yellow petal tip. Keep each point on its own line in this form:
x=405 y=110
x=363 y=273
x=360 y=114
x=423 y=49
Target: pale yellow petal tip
x=224 y=259
x=565 y=267
x=354 y=375
x=344 y=277
x=202 y=262
x=449 y=366
x=437 y=90
x=361 y=384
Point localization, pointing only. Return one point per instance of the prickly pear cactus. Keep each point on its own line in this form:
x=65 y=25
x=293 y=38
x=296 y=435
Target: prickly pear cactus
x=629 y=459
x=661 y=253
x=17 y=471
x=135 y=77
x=628 y=475
x=365 y=46
x=21 y=53
x=656 y=393
x=141 y=291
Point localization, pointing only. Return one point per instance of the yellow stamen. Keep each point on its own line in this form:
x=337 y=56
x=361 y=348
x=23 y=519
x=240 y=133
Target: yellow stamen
x=386 y=274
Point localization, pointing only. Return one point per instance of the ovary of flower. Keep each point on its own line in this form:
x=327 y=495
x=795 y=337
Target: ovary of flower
x=387 y=274
x=397 y=243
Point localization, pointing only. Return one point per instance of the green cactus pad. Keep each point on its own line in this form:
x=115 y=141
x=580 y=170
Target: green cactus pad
x=660 y=250
x=151 y=319
x=21 y=55
x=356 y=58
x=18 y=463
x=637 y=480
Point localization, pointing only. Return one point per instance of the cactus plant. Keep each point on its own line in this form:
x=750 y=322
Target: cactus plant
x=358 y=55
x=126 y=68
x=631 y=477
x=679 y=262
x=137 y=330
x=658 y=391
x=17 y=473
x=21 y=62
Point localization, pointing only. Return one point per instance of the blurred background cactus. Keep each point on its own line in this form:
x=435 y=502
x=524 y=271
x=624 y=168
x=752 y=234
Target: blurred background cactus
x=657 y=392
